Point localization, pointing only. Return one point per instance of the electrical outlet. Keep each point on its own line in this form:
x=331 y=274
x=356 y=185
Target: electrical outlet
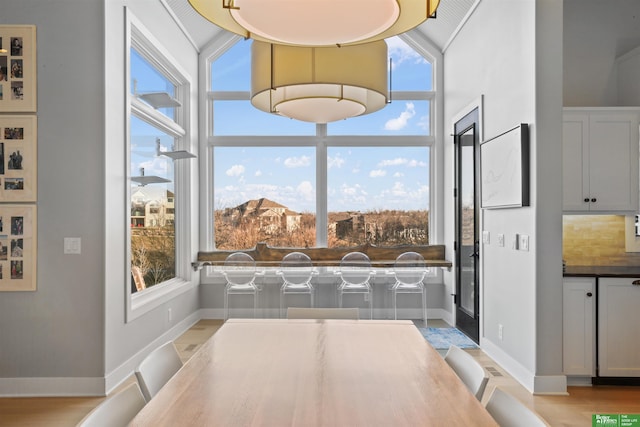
x=500 y=330
x=485 y=237
x=524 y=242
x=501 y=240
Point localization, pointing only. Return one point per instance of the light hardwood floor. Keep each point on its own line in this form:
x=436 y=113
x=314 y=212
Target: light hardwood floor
x=576 y=409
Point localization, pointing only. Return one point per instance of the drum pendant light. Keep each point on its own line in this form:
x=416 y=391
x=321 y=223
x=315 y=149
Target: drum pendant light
x=316 y=22
x=319 y=84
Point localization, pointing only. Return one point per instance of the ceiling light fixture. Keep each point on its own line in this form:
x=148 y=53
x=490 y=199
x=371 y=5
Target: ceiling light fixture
x=316 y=22
x=319 y=84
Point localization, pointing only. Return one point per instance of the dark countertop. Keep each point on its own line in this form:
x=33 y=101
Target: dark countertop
x=601 y=271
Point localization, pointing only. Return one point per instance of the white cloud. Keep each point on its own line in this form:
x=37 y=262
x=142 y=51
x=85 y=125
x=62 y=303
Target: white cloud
x=335 y=162
x=424 y=124
x=349 y=191
x=398 y=175
x=258 y=173
x=416 y=164
x=297 y=162
x=401 y=121
x=155 y=166
x=352 y=196
x=393 y=162
x=377 y=173
x=305 y=189
x=398 y=189
x=235 y=170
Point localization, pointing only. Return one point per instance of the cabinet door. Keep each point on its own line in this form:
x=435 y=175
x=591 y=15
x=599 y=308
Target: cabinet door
x=613 y=161
x=578 y=326
x=575 y=155
x=618 y=333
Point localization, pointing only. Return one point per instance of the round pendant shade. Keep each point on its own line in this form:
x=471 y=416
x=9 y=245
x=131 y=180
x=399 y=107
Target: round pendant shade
x=316 y=22
x=319 y=84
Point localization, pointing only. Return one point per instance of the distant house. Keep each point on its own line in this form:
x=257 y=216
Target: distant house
x=152 y=207
x=347 y=224
x=270 y=216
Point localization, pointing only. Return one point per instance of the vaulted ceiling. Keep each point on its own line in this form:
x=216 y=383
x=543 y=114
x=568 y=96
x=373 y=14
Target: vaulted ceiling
x=450 y=15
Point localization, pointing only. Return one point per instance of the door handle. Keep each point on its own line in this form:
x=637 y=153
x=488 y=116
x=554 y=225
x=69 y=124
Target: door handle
x=476 y=250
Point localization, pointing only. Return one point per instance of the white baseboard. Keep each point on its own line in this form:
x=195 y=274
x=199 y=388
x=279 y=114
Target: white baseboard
x=46 y=387
x=536 y=384
x=550 y=385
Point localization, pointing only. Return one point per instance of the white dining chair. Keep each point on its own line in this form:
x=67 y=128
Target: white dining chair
x=239 y=270
x=510 y=412
x=296 y=270
x=350 y=313
x=409 y=270
x=157 y=368
x=468 y=370
x=355 y=272
x=117 y=410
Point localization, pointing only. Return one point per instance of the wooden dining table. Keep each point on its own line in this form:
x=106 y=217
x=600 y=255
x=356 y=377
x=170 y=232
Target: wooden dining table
x=279 y=372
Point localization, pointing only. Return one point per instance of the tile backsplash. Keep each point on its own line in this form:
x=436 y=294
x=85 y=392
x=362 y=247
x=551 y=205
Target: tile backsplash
x=596 y=240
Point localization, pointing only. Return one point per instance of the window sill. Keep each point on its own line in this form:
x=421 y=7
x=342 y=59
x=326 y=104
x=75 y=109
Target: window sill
x=143 y=302
x=381 y=257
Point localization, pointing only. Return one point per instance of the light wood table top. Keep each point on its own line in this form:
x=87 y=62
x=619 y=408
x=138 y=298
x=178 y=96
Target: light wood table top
x=278 y=372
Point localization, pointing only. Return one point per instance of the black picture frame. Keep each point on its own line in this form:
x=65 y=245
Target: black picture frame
x=504 y=169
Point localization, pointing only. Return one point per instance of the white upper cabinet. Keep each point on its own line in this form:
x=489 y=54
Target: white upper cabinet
x=600 y=160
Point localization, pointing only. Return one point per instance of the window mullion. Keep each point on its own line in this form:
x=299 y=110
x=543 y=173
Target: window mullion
x=322 y=215
x=159 y=120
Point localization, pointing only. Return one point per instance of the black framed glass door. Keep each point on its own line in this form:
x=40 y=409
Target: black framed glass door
x=467 y=244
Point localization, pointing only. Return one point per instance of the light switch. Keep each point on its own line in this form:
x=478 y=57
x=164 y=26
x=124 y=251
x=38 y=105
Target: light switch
x=524 y=242
x=501 y=240
x=485 y=237
x=72 y=245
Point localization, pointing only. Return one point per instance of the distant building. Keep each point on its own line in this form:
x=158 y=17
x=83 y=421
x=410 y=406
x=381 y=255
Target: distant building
x=270 y=216
x=152 y=207
x=348 y=224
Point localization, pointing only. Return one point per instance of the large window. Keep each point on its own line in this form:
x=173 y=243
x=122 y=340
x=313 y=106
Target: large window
x=158 y=93
x=264 y=194
x=294 y=184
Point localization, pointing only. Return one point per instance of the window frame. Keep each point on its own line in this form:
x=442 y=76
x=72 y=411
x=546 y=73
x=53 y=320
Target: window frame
x=321 y=140
x=138 y=37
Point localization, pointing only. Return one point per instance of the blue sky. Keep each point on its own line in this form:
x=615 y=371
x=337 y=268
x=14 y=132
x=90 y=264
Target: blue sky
x=361 y=179
x=358 y=178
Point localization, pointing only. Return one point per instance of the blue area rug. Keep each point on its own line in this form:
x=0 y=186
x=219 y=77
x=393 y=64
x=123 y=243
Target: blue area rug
x=442 y=338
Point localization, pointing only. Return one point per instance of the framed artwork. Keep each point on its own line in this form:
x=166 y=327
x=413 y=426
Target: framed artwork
x=504 y=168
x=18 y=77
x=18 y=247
x=18 y=159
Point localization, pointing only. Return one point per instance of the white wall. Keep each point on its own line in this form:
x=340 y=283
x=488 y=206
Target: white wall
x=494 y=56
x=69 y=337
x=595 y=34
x=52 y=339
